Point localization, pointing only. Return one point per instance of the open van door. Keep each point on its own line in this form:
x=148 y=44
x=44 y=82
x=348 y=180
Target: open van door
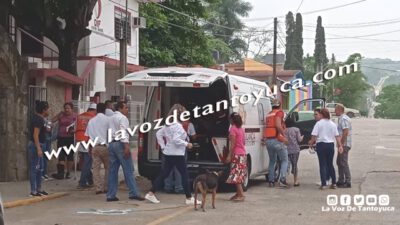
x=303 y=116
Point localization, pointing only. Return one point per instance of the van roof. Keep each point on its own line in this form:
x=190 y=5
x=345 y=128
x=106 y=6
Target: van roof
x=184 y=75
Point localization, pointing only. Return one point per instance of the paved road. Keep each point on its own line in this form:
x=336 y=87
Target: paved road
x=374 y=162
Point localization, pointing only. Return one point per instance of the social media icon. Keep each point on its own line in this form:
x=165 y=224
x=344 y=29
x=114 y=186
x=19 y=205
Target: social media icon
x=332 y=200
x=359 y=200
x=384 y=200
x=371 y=200
x=345 y=200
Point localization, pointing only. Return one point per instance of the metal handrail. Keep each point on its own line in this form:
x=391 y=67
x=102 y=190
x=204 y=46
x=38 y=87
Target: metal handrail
x=41 y=42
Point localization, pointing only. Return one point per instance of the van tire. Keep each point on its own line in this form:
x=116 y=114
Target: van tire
x=245 y=184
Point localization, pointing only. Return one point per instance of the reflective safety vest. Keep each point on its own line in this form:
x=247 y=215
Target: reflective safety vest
x=81 y=124
x=270 y=130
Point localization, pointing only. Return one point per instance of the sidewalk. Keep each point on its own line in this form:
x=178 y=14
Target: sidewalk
x=17 y=191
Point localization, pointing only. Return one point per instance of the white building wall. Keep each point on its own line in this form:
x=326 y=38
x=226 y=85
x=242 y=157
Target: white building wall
x=101 y=42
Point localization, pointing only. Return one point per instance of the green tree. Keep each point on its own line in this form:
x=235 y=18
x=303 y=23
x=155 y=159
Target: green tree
x=349 y=89
x=63 y=22
x=172 y=39
x=289 y=52
x=227 y=13
x=320 y=48
x=389 y=99
x=297 y=60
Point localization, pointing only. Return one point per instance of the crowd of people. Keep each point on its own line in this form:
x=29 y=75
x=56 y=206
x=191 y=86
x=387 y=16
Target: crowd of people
x=281 y=138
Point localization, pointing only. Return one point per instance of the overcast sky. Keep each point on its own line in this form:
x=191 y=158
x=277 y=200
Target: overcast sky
x=352 y=15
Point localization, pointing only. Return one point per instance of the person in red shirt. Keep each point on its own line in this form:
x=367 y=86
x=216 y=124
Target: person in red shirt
x=86 y=179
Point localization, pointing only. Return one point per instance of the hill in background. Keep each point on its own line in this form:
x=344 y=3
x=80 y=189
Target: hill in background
x=380 y=69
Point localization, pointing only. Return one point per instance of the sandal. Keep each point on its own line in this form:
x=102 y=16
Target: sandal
x=239 y=199
x=296 y=184
x=233 y=197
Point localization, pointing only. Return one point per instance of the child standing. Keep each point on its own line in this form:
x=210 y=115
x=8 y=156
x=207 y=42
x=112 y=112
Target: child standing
x=294 y=138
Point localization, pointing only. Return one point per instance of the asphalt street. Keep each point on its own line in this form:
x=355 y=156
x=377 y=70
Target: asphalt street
x=374 y=162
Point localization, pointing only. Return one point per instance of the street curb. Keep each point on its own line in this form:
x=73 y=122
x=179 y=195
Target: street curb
x=32 y=200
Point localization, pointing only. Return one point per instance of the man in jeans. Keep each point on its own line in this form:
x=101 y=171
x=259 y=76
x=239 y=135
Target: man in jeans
x=276 y=143
x=344 y=128
x=120 y=155
x=86 y=179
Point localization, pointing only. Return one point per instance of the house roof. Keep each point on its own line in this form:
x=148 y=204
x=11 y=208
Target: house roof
x=269 y=58
x=263 y=75
x=252 y=65
x=57 y=74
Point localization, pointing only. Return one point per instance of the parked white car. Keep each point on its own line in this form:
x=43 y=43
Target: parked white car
x=349 y=112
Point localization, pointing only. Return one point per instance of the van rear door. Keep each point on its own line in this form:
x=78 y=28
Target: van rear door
x=303 y=116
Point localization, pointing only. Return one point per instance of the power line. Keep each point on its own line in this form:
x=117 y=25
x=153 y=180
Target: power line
x=360 y=24
x=203 y=20
x=360 y=37
x=309 y=12
x=301 y=3
x=357 y=26
x=397 y=71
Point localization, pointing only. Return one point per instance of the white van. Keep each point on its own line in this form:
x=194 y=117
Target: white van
x=193 y=87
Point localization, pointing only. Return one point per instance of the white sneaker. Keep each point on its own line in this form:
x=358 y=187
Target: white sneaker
x=191 y=201
x=328 y=182
x=152 y=198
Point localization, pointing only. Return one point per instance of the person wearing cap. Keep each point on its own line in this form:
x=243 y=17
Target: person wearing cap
x=86 y=179
x=276 y=142
x=97 y=128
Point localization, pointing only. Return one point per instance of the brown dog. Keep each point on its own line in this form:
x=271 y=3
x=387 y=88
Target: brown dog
x=204 y=183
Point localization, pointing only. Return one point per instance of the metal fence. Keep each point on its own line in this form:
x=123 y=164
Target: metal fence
x=36 y=93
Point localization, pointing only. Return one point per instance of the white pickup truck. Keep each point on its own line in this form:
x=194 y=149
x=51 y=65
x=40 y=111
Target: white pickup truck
x=349 y=112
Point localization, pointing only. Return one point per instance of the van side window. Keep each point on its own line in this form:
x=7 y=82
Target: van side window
x=261 y=111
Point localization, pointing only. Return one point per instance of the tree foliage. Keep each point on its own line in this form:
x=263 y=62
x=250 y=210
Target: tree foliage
x=389 y=99
x=349 y=89
x=294 y=42
x=227 y=13
x=320 y=48
x=290 y=26
x=171 y=38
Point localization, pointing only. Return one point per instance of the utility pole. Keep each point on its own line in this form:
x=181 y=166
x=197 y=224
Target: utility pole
x=122 y=50
x=274 y=56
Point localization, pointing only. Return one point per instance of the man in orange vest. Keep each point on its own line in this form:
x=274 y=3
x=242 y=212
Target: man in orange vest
x=86 y=179
x=276 y=142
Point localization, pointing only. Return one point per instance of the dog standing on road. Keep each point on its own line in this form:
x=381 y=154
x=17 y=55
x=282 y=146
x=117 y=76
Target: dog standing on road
x=204 y=183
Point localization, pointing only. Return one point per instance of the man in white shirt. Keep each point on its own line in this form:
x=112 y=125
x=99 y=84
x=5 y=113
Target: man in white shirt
x=120 y=155
x=97 y=128
x=344 y=128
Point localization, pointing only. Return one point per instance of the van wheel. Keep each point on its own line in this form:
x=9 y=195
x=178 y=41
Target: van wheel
x=245 y=184
x=350 y=114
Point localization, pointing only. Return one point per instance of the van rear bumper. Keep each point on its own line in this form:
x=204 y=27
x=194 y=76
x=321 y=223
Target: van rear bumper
x=151 y=169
